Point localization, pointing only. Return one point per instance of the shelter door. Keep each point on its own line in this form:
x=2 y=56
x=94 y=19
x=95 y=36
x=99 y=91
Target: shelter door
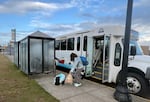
x=89 y=55
x=106 y=58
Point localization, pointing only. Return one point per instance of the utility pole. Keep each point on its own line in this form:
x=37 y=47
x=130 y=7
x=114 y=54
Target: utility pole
x=121 y=94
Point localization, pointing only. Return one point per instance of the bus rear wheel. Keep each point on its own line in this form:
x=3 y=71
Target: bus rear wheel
x=136 y=84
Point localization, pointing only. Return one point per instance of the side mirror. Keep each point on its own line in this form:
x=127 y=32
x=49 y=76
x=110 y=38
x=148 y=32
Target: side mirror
x=133 y=51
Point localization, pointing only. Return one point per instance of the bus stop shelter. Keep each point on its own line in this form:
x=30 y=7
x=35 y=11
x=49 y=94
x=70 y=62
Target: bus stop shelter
x=35 y=53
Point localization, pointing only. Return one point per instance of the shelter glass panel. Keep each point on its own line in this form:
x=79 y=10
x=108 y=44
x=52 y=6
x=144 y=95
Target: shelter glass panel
x=48 y=55
x=16 y=54
x=35 y=55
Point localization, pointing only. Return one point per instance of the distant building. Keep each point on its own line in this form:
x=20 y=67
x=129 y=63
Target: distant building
x=13 y=37
x=11 y=44
x=146 y=50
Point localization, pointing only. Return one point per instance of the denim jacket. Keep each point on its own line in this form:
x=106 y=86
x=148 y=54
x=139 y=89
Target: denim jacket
x=77 y=64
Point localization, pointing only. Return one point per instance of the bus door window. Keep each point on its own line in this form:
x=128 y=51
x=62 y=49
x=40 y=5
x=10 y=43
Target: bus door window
x=99 y=44
x=106 y=56
x=117 y=58
x=107 y=45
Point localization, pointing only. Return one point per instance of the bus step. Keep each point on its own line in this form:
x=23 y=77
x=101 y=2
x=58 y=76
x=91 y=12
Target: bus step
x=96 y=78
x=95 y=72
x=99 y=64
x=97 y=75
x=98 y=69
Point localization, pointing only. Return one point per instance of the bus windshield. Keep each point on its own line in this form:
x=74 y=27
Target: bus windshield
x=138 y=48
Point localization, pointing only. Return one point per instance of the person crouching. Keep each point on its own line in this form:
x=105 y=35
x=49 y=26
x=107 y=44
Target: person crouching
x=76 y=70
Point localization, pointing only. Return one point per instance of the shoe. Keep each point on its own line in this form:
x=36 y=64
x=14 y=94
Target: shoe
x=93 y=73
x=77 y=84
x=82 y=73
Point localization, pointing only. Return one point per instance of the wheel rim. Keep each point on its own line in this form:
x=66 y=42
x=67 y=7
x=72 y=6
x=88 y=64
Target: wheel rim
x=133 y=85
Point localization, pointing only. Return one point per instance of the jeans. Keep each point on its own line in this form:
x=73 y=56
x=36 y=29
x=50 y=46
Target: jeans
x=77 y=75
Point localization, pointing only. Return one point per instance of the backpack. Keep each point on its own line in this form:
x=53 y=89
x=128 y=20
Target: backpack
x=59 y=79
x=84 y=60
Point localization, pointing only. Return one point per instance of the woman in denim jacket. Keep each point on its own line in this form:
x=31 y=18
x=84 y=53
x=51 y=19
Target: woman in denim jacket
x=77 y=70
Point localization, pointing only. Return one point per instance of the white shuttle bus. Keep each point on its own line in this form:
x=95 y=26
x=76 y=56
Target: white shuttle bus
x=103 y=48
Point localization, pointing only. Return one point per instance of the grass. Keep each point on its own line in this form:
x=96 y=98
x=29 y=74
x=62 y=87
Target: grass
x=15 y=86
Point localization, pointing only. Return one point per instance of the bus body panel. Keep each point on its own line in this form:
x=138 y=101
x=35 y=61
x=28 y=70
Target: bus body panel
x=141 y=62
x=114 y=70
x=116 y=34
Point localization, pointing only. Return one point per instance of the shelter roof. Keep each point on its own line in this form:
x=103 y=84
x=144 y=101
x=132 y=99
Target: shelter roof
x=39 y=34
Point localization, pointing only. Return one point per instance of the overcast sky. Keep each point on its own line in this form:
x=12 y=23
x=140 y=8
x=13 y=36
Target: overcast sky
x=56 y=17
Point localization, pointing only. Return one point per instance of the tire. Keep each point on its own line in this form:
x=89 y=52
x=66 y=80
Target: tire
x=136 y=84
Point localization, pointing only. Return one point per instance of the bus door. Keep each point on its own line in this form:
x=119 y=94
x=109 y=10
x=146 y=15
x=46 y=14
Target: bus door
x=89 y=55
x=106 y=58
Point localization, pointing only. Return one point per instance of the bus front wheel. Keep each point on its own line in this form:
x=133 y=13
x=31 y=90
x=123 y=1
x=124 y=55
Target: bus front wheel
x=136 y=83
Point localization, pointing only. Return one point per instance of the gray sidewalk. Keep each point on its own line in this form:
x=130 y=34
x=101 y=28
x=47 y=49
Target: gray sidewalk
x=89 y=92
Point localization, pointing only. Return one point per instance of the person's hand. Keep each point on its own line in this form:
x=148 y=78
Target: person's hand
x=69 y=72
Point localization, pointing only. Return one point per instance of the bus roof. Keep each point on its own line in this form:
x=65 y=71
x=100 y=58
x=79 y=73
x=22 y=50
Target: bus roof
x=115 y=30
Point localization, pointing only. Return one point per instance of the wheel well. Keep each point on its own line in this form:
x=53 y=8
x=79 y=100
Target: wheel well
x=137 y=71
x=132 y=70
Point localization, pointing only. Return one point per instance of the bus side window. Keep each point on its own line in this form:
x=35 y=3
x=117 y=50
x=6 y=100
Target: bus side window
x=78 y=44
x=63 y=44
x=85 y=43
x=57 y=45
x=117 y=58
x=70 y=44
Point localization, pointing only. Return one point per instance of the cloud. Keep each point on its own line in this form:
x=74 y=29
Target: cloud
x=141 y=21
x=140 y=3
x=86 y=4
x=20 y=6
x=117 y=15
x=145 y=39
x=93 y=13
x=59 y=29
x=54 y=28
x=140 y=12
x=39 y=24
x=105 y=12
